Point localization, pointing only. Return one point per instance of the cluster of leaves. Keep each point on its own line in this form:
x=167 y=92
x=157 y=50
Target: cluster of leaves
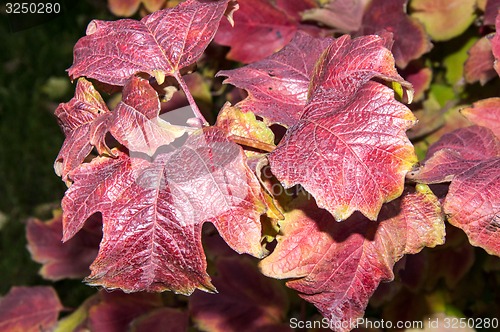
x=313 y=170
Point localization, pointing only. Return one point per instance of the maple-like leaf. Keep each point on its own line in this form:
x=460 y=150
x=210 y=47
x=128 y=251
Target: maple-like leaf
x=260 y=29
x=63 y=260
x=29 y=309
x=353 y=157
x=161 y=44
x=470 y=159
x=444 y=19
x=153 y=212
x=337 y=92
x=485 y=113
x=343 y=15
x=410 y=38
x=246 y=300
x=479 y=65
x=278 y=85
x=457 y=152
x=77 y=119
x=135 y=122
x=473 y=204
x=338 y=266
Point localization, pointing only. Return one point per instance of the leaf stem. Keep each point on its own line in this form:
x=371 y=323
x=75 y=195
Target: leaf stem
x=190 y=98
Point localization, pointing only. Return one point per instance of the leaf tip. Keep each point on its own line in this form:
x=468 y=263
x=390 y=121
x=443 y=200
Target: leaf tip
x=92 y=28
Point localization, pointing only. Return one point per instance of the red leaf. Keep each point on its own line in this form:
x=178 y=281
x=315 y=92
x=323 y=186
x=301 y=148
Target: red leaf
x=479 y=64
x=295 y=8
x=473 y=204
x=246 y=300
x=116 y=311
x=456 y=152
x=347 y=64
x=62 y=260
x=470 y=159
x=29 y=309
x=278 y=86
x=338 y=266
x=420 y=78
x=135 y=122
x=343 y=104
x=160 y=44
x=153 y=212
x=345 y=15
x=485 y=113
x=495 y=45
x=410 y=38
x=349 y=157
x=77 y=119
x=260 y=29
x=491 y=12
x=177 y=321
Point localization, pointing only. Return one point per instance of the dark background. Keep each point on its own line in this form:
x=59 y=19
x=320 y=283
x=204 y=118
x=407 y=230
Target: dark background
x=35 y=52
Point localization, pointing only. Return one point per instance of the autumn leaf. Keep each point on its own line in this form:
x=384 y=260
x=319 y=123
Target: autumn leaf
x=485 y=113
x=491 y=12
x=278 y=85
x=63 y=260
x=479 y=65
x=246 y=300
x=444 y=19
x=29 y=309
x=338 y=266
x=161 y=44
x=116 y=311
x=153 y=212
x=345 y=16
x=420 y=78
x=78 y=119
x=244 y=128
x=176 y=320
x=260 y=29
x=350 y=124
x=473 y=204
x=495 y=45
x=470 y=159
x=455 y=153
x=135 y=122
x=410 y=38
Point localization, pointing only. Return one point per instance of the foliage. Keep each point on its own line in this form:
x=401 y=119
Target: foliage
x=312 y=168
